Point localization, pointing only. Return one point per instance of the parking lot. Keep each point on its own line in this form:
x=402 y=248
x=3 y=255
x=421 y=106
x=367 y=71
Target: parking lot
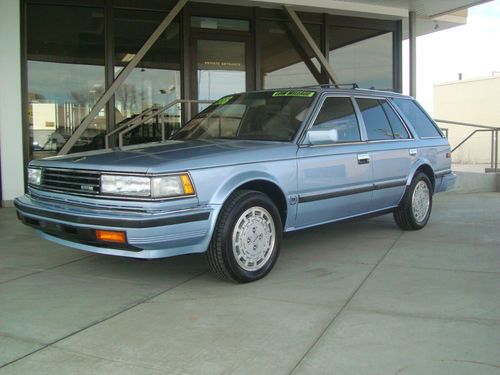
x=355 y=298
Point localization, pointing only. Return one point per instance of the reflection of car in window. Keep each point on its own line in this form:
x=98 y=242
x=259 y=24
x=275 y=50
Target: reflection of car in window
x=241 y=173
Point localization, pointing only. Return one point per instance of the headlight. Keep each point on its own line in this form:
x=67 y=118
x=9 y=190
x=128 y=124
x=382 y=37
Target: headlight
x=154 y=187
x=34 y=176
x=126 y=185
x=171 y=186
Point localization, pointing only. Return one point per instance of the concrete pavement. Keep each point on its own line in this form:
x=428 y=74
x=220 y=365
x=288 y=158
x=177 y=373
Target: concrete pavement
x=355 y=298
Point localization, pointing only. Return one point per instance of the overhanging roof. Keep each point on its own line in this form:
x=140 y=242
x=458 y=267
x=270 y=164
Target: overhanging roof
x=432 y=15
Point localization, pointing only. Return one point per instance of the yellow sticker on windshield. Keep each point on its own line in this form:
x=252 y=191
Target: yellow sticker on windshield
x=299 y=93
x=223 y=100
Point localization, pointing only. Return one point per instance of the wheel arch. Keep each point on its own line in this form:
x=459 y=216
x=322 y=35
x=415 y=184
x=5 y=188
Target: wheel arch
x=262 y=182
x=423 y=166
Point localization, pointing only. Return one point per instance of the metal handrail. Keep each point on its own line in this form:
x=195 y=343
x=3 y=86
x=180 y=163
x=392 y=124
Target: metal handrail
x=127 y=123
x=481 y=128
x=158 y=112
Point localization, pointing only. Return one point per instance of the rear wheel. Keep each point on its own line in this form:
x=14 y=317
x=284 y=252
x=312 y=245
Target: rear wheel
x=247 y=237
x=415 y=208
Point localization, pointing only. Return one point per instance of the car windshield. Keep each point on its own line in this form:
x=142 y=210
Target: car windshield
x=267 y=116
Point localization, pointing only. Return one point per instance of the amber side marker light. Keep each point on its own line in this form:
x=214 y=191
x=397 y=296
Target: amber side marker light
x=110 y=236
x=186 y=183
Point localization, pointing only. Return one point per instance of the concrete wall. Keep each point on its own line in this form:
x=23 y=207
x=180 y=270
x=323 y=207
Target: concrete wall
x=11 y=144
x=472 y=101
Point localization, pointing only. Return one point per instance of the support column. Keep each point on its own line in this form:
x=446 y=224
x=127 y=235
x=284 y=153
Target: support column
x=11 y=122
x=412 y=17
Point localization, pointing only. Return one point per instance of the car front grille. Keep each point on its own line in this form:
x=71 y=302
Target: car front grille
x=71 y=180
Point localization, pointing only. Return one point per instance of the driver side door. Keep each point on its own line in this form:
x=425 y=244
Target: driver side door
x=334 y=178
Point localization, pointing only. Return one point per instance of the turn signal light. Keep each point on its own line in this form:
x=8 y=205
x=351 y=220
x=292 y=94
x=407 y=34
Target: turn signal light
x=111 y=236
x=188 y=186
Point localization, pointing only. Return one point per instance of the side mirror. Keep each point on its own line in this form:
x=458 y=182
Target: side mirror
x=322 y=136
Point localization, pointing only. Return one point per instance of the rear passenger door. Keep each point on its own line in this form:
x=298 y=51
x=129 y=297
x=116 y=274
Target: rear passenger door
x=334 y=179
x=392 y=150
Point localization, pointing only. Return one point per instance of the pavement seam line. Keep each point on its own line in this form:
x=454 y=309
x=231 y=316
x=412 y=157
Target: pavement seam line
x=46 y=269
x=344 y=306
x=102 y=320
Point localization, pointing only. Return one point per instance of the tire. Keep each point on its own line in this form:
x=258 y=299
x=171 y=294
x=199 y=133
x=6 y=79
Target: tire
x=244 y=251
x=413 y=214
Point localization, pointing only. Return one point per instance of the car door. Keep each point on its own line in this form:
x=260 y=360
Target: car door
x=391 y=148
x=334 y=178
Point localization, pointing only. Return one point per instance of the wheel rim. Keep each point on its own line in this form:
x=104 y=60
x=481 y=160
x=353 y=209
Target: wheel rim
x=421 y=201
x=254 y=236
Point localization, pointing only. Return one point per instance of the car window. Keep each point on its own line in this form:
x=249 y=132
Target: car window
x=417 y=118
x=338 y=113
x=268 y=116
x=397 y=126
x=376 y=121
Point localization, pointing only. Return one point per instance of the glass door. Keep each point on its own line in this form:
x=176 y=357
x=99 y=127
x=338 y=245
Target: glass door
x=220 y=66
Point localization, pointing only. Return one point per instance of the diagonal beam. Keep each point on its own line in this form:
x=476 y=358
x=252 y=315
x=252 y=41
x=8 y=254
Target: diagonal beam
x=294 y=18
x=108 y=94
x=304 y=55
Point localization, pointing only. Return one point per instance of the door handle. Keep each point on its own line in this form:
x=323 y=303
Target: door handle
x=363 y=158
x=412 y=151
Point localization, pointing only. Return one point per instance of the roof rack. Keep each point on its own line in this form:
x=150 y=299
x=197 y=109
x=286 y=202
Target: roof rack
x=334 y=85
x=353 y=86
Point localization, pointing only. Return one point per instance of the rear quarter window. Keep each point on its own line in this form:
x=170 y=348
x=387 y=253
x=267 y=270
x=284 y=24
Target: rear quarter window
x=424 y=127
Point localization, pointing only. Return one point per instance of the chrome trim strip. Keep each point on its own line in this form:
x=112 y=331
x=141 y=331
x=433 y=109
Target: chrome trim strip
x=351 y=191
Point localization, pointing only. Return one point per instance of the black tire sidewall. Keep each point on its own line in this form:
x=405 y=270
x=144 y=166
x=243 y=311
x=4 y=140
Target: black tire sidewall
x=419 y=177
x=255 y=199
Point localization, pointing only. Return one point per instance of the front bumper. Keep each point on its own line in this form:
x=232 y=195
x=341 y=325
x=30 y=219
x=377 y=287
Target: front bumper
x=149 y=235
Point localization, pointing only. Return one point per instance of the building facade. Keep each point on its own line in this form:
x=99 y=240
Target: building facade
x=58 y=57
x=472 y=101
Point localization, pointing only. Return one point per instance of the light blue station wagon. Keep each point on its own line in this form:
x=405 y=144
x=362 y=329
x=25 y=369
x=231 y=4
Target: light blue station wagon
x=243 y=171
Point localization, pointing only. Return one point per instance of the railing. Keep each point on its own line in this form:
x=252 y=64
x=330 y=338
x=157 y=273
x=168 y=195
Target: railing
x=149 y=114
x=480 y=129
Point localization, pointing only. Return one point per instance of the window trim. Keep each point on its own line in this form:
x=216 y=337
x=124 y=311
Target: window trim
x=408 y=122
x=310 y=122
x=378 y=97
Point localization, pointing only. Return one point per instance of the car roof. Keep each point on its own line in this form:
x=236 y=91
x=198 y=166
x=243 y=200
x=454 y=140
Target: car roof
x=337 y=89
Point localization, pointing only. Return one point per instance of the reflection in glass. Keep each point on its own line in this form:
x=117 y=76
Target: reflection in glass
x=221 y=69
x=265 y=116
x=65 y=53
x=283 y=57
x=338 y=114
x=155 y=82
x=362 y=56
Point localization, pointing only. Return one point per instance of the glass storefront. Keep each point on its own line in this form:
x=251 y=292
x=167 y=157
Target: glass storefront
x=65 y=74
x=155 y=82
x=362 y=56
x=75 y=49
x=284 y=60
x=221 y=68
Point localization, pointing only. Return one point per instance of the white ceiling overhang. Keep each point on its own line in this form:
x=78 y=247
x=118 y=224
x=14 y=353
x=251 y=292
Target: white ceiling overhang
x=432 y=15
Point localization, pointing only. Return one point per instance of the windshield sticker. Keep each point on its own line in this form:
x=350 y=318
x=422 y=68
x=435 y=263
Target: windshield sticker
x=302 y=94
x=223 y=100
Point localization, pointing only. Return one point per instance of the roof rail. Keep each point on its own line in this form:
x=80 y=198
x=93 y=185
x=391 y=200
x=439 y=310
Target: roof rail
x=334 y=85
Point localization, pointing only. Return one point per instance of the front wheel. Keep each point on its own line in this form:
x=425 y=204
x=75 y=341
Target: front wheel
x=246 y=241
x=415 y=208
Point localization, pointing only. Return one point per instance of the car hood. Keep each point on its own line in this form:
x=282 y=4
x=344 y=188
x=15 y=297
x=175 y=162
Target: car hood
x=173 y=156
